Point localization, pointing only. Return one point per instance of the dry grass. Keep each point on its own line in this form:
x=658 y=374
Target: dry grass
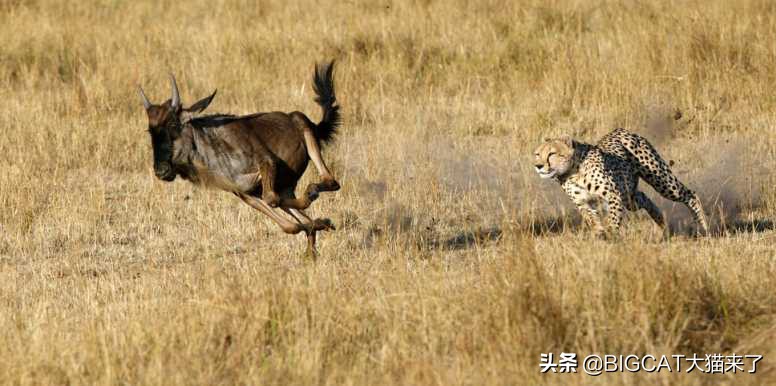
x=453 y=264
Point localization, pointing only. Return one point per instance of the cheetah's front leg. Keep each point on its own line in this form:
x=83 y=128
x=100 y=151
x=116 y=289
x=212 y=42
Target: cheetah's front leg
x=586 y=206
x=591 y=217
x=614 y=212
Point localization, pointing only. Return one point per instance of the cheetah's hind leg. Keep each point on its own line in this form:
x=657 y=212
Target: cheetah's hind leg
x=644 y=202
x=655 y=171
x=694 y=203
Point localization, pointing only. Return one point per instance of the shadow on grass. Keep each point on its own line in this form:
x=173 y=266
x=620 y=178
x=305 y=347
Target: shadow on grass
x=751 y=226
x=468 y=239
x=724 y=230
x=550 y=226
x=472 y=238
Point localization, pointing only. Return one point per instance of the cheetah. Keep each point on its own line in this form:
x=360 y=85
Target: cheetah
x=608 y=173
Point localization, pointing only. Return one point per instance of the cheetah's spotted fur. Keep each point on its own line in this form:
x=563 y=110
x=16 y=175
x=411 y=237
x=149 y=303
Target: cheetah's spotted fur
x=608 y=173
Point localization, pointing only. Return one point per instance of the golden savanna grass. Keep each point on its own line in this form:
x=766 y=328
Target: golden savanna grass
x=453 y=263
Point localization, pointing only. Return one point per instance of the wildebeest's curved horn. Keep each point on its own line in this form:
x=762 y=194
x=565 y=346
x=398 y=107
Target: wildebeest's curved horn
x=146 y=103
x=176 y=97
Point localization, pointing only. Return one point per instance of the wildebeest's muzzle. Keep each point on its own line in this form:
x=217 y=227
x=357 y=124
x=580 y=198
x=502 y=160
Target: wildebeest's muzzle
x=164 y=172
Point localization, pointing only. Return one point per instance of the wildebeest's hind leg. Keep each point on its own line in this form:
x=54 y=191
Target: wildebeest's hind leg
x=328 y=183
x=268 y=173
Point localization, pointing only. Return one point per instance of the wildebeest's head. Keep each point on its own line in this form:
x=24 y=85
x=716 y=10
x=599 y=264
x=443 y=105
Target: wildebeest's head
x=165 y=122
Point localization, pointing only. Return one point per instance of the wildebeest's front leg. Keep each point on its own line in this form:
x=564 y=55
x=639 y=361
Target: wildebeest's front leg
x=268 y=172
x=319 y=224
x=287 y=225
x=313 y=226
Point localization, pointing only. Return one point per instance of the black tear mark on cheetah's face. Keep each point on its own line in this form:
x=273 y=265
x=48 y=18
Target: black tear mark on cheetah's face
x=554 y=157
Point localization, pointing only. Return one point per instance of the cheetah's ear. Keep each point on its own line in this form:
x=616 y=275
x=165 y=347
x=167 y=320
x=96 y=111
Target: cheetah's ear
x=570 y=142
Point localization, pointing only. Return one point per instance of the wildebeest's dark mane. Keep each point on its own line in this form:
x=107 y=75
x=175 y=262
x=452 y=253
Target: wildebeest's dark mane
x=215 y=120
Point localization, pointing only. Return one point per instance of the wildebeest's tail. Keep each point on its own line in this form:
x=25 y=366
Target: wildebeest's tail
x=323 y=84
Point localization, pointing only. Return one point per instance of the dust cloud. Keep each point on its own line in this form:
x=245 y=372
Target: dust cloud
x=493 y=187
x=728 y=185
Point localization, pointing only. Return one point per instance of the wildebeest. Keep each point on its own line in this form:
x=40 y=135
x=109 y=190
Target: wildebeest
x=259 y=157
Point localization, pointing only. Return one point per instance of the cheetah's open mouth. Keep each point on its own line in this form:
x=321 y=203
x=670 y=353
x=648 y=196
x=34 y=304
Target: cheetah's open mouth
x=544 y=174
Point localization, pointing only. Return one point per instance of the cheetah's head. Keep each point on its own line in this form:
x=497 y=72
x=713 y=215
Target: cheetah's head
x=554 y=157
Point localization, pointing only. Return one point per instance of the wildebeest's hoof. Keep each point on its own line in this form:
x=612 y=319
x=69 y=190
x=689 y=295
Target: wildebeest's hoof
x=271 y=198
x=323 y=224
x=330 y=185
x=312 y=254
x=311 y=192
